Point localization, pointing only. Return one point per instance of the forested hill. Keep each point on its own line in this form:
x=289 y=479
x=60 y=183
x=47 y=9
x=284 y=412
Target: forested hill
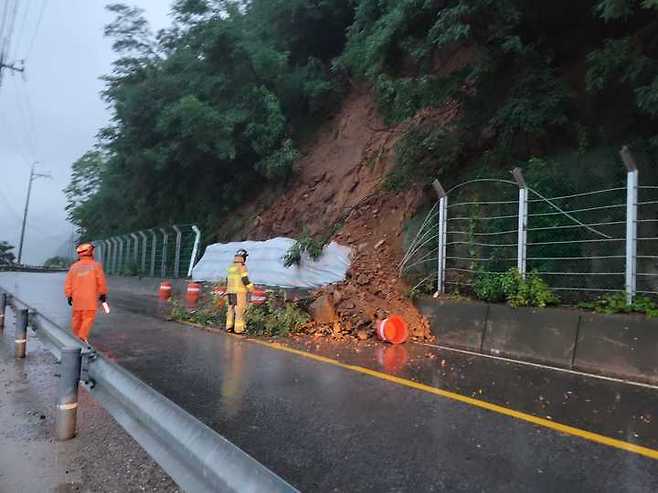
x=209 y=113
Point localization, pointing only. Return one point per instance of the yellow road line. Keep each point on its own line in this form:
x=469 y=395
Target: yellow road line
x=546 y=423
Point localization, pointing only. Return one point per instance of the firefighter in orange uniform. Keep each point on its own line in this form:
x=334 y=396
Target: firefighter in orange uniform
x=237 y=287
x=85 y=286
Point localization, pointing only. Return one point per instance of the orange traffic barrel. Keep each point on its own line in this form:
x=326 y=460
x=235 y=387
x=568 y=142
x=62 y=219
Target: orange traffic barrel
x=258 y=297
x=165 y=290
x=393 y=329
x=219 y=294
x=193 y=293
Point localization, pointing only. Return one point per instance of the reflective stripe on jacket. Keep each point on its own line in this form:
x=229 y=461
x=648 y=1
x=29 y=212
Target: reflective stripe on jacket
x=85 y=282
x=238 y=279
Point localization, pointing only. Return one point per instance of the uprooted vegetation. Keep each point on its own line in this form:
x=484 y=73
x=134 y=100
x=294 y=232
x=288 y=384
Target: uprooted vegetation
x=277 y=317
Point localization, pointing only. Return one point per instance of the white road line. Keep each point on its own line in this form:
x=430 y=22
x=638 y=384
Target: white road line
x=538 y=365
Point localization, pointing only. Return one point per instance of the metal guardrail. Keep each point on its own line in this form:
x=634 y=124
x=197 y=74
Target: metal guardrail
x=194 y=455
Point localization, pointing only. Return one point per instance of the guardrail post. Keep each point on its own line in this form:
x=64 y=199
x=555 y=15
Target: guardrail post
x=67 y=394
x=195 y=249
x=179 y=237
x=154 y=248
x=442 y=236
x=163 y=267
x=632 y=183
x=522 y=241
x=3 y=311
x=21 y=333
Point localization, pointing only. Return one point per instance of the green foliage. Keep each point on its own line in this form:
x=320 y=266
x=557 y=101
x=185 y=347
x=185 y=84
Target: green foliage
x=275 y=318
x=6 y=255
x=209 y=112
x=512 y=287
x=421 y=153
x=57 y=262
x=536 y=103
x=205 y=113
x=131 y=269
x=305 y=244
x=207 y=313
x=488 y=286
x=616 y=303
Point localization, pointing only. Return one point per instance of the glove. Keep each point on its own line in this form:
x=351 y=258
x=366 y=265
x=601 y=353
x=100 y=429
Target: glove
x=102 y=298
x=70 y=301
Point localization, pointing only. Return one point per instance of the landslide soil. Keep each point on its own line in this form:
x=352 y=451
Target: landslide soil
x=339 y=183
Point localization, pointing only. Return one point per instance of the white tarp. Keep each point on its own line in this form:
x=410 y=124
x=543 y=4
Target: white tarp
x=265 y=264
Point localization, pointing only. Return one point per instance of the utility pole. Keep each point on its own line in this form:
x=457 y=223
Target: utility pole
x=33 y=176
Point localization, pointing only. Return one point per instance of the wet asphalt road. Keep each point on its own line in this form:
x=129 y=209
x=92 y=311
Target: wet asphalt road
x=325 y=428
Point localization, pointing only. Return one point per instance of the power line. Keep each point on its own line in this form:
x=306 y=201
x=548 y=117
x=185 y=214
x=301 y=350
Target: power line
x=21 y=30
x=25 y=106
x=36 y=30
x=8 y=25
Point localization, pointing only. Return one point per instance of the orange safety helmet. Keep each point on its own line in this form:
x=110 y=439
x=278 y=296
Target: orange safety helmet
x=85 y=250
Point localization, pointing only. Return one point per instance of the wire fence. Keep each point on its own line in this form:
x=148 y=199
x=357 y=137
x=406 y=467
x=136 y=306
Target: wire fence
x=582 y=244
x=158 y=252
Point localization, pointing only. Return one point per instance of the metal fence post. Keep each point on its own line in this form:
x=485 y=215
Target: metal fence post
x=195 y=249
x=442 y=236
x=144 y=243
x=522 y=241
x=3 y=310
x=179 y=237
x=115 y=261
x=154 y=248
x=122 y=258
x=107 y=252
x=135 y=247
x=163 y=266
x=21 y=333
x=67 y=394
x=632 y=183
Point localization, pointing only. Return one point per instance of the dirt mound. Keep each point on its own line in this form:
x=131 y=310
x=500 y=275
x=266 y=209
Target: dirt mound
x=339 y=183
x=337 y=172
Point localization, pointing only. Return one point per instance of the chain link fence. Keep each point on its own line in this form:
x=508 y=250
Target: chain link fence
x=164 y=252
x=582 y=244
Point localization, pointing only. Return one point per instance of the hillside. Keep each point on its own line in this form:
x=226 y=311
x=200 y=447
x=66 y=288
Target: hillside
x=329 y=119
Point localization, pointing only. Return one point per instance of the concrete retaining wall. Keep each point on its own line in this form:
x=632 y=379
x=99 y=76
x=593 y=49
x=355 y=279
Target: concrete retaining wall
x=542 y=336
x=624 y=346
x=458 y=325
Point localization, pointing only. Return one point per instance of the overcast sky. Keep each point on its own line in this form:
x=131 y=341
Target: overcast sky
x=53 y=114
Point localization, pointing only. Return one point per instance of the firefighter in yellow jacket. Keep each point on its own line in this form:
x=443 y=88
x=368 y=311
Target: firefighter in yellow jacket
x=237 y=287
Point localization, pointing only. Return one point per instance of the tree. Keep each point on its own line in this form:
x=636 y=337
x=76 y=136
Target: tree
x=57 y=262
x=204 y=114
x=6 y=255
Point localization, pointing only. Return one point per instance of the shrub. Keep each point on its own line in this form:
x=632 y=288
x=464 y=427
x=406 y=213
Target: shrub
x=207 y=313
x=513 y=288
x=488 y=286
x=421 y=153
x=616 y=303
x=304 y=244
x=275 y=319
